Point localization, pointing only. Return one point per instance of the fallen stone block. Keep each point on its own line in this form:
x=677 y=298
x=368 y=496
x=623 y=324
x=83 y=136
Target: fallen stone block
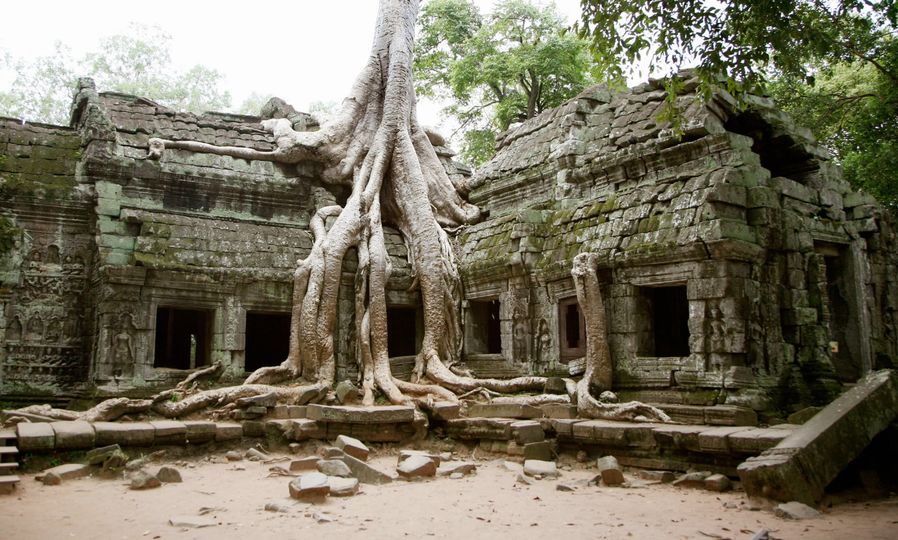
x=390 y=414
x=169 y=475
x=74 y=435
x=310 y=486
x=504 y=410
x=555 y=385
x=450 y=468
x=334 y=467
x=254 y=454
x=416 y=466
x=795 y=510
x=50 y=479
x=331 y=452
x=364 y=472
x=665 y=477
x=262 y=400
x=34 y=436
x=346 y=393
x=305 y=429
x=527 y=431
x=352 y=447
x=69 y=471
x=692 y=479
x=199 y=431
x=718 y=482
x=169 y=432
x=124 y=433
x=542 y=450
x=801 y=466
x=228 y=432
x=541 y=469
x=343 y=487
x=405 y=454
x=144 y=480
x=304 y=464
x=610 y=470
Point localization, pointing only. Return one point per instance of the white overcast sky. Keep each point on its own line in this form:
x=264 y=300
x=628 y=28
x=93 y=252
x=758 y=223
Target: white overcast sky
x=300 y=50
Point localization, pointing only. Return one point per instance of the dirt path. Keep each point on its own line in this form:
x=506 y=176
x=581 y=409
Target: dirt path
x=488 y=504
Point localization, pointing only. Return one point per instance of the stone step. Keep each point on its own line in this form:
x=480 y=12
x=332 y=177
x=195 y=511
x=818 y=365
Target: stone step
x=8 y=453
x=6 y=468
x=8 y=483
x=7 y=436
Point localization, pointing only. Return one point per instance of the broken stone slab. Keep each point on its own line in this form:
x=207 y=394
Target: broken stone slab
x=124 y=433
x=542 y=469
x=169 y=432
x=665 y=477
x=718 y=482
x=504 y=410
x=33 y=436
x=795 y=510
x=262 y=400
x=199 y=431
x=69 y=471
x=694 y=479
x=169 y=475
x=310 y=486
x=542 y=450
x=352 y=447
x=144 y=480
x=342 y=487
x=331 y=452
x=254 y=454
x=192 y=522
x=305 y=429
x=304 y=464
x=227 y=431
x=365 y=473
x=74 y=435
x=346 y=393
x=389 y=414
x=801 y=466
x=334 y=467
x=527 y=431
x=416 y=466
x=405 y=454
x=450 y=468
x=49 y=479
x=610 y=470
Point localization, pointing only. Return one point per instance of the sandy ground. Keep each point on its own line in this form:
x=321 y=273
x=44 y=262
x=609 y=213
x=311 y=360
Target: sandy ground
x=488 y=504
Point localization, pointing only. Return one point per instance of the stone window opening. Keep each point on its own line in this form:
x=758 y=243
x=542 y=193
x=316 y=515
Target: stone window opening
x=483 y=328
x=267 y=339
x=183 y=338
x=405 y=326
x=571 y=329
x=664 y=321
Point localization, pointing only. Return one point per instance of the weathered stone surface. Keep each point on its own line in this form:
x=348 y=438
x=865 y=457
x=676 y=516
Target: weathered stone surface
x=342 y=487
x=228 y=432
x=795 y=510
x=169 y=475
x=199 y=431
x=125 y=433
x=34 y=436
x=98 y=455
x=527 y=431
x=144 y=480
x=262 y=400
x=285 y=412
x=334 y=467
x=405 y=454
x=610 y=470
x=365 y=473
x=305 y=429
x=304 y=464
x=805 y=462
x=352 y=447
x=692 y=479
x=718 y=482
x=802 y=416
x=415 y=466
x=69 y=471
x=541 y=450
x=253 y=428
x=254 y=454
x=331 y=452
x=480 y=428
x=169 y=432
x=450 y=468
x=310 y=486
x=559 y=411
x=51 y=479
x=542 y=469
x=656 y=476
x=346 y=393
x=74 y=435
x=389 y=414
x=503 y=410
x=444 y=410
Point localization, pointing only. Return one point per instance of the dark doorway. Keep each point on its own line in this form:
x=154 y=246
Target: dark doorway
x=182 y=338
x=571 y=330
x=402 y=331
x=670 y=320
x=267 y=339
x=484 y=329
x=843 y=315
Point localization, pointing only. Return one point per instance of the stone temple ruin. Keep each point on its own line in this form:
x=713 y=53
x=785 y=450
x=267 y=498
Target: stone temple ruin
x=739 y=267
x=743 y=277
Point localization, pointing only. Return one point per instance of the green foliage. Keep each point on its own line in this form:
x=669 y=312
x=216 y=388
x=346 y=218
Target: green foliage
x=853 y=108
x=138 y=63
x=834 y=63
x=498 y=69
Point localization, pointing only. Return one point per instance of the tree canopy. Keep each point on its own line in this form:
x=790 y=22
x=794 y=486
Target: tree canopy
x=136 y=63
x=499 y=68
x=833 y=64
